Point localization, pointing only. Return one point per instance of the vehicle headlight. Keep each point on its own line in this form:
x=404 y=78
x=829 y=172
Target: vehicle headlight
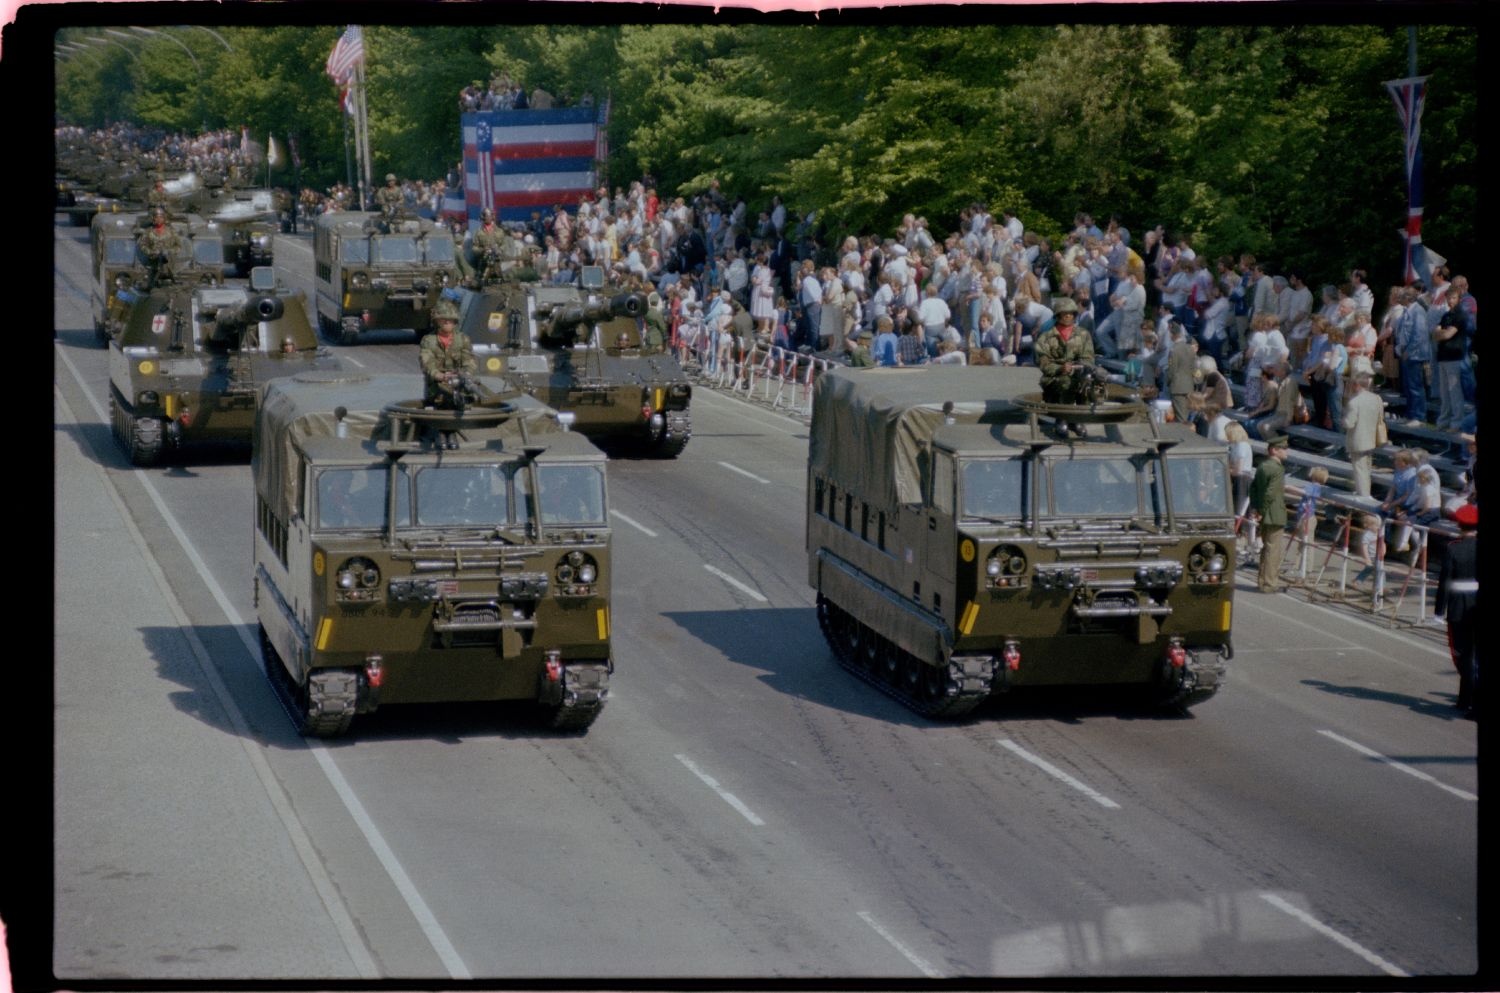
x=576 y=574
x=359 y=280
x=358 y=580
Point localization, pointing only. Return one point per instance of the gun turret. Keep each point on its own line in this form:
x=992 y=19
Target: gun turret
x=575 y=321
x=229 y=324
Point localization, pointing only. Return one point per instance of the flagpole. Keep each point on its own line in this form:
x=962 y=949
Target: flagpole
x=364 y=126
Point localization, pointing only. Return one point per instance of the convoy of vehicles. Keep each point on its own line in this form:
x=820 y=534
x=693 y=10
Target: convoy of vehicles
x=406 y=554
x=582 y=349
x=372 y=273
x=960 y=547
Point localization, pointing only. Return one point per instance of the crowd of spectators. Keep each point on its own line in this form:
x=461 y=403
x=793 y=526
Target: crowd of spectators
x=505 y=93
x=221 y=154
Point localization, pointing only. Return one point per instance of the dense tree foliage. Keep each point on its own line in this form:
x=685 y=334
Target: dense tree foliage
x=1276 y=140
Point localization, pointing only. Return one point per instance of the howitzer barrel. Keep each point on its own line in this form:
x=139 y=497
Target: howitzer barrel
x=579 y=316
x=233 y=320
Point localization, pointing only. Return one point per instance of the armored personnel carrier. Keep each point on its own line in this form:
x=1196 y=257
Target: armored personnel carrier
x=121 y=273
x=191 y=359
x=406 y=554
x=960 y=546
x=247 y=219
x=375 y=273
x=583 y=350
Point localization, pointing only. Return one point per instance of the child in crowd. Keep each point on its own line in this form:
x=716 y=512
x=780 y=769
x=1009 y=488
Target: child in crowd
x=1307 y=507
x=1369 y=546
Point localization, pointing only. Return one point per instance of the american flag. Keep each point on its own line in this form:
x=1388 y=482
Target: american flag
x=516 y=161
x=347 y=54
x=1409 y=95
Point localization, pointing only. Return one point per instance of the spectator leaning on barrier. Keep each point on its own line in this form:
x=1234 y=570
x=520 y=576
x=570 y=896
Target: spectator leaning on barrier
x=1448 y=338
x=1268 y=501
x=1458 y=603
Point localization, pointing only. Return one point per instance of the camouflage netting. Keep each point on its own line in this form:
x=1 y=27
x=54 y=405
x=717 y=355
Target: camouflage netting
x=871 y=428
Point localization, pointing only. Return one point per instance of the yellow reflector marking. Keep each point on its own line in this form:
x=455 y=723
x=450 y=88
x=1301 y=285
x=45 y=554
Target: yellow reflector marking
x=971 y=614
x=660 y=399
x=171 y=404
x=147 y=367
x=967 y=550
x=347 y=298
x=1225 y=622
x=317 y=563
x=324 y=630
x=493 y=364
x=602 y=615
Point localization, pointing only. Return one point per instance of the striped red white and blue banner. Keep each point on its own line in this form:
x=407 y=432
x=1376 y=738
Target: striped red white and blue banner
x=517 y=161
x=1409 y=95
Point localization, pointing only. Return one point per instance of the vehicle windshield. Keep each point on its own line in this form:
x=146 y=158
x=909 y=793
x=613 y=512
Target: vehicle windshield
x=119 y=251
x=439 y=249
x=208 y=251
x=480 y=495
x=572 y=494
x=354 y=251
x=1198 y=485
x=355 y=498
x=1094 y=487
x=995 y=490
x=394 y=249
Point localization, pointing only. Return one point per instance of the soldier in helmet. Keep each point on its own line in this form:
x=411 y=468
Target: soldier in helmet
x=388 y=198
x=1060 y=351
x=489 y=245
x=158 y=244
x=447 y=356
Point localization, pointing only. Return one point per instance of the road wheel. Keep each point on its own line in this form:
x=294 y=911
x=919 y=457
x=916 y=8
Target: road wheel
x=349 y=331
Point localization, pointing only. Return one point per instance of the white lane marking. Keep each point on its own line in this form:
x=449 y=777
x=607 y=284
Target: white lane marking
x=743 y=472
x=350 y=359
x=381 y=850
x=430 y=927
x=1054 y=771
x=735 y=583
x=1365 y=624
x=307 y=854
x=724 y=794
x=635 y=524
x=786 y=424
x=1328 y=932
x=907 y=953
x=1461 y=794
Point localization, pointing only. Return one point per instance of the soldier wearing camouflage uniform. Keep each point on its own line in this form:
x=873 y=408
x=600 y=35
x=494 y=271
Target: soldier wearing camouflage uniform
x=158 y=244
x=1061 y=350
x=389 y=197
x=446 y=354
x=490 y=246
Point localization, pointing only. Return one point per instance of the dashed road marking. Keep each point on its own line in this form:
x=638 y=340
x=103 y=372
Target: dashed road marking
x=1418 y=773
x=908 y=954
x=724 y=794
x=635 y=524
x=1328 y=932
x=1057 y=773
x=744 y=472
x=735 y=583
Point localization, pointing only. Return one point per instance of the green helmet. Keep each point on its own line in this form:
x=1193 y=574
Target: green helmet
x=445 y=310
x=1065 y=306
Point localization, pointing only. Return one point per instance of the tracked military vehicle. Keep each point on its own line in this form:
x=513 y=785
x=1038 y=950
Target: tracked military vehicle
x=121 y=273
x=962 y=544
x=191 y=359
x=376 y=273
x=581 y=349
x=406 y=554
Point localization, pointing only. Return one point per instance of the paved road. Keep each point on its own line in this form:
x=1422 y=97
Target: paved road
x=742 y=809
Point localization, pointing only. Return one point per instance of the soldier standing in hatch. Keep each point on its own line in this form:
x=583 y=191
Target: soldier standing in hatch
x=1268 y=500
x=158 y=244
x=1060 y=351
x=489 y=241
x=446 y=354
x=1458 y=602
x=388 y=198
